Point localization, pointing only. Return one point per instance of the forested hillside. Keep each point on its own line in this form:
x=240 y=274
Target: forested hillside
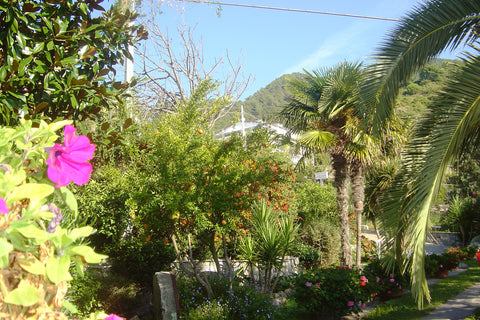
x=413 y=99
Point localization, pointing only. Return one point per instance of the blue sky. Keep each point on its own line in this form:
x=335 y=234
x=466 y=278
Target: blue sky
x=271 y=43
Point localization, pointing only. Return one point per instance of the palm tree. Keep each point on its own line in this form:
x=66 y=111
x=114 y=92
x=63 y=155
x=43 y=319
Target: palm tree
x=425 y=32
x=322 y=107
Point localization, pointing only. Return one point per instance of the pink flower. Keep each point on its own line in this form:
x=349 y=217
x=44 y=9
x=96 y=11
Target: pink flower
x=378 y=279
x=363 y=278
x=350 y=304
x=308 y=284
x=392 y=280
x=68 y=162
x=3 y=207
x=113 y=317
x=318 y=285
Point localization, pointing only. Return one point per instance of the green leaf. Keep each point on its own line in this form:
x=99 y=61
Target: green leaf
x=3 y=73
x=5 y=249
x=38 y=47
x=25 y=295
x=23 y=64
x=32 y=232
x=32 y=265
x=87 y=253
x=57 y=269
x=69 y=60
x=33 y=191
x=69 y=199
x=82 y=232
x=69 y=306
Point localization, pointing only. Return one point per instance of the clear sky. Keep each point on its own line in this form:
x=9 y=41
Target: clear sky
x=271 y=43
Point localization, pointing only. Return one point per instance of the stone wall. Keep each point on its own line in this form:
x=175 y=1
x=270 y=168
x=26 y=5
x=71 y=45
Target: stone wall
x=290 y=266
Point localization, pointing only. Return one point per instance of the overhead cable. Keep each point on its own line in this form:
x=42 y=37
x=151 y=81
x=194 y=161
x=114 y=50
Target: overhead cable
x=290 y=9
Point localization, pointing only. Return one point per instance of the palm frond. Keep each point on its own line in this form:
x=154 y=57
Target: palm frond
x=438 y=141
x=423 y=34
x=317 y=140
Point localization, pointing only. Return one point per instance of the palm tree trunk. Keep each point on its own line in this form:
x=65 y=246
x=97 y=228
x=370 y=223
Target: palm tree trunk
x=340 y=165
x=358 y=195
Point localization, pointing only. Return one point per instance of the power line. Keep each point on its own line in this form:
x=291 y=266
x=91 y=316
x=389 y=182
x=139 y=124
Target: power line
x=291 y=10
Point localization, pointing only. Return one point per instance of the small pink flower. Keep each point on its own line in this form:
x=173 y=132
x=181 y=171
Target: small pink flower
x=441 y=266
x=378 y=279
x=350 y=304
x=318 y=285
x=392 y=280
x=363 y=278
x=389 y=292
x=3 y=207
x=391 y=275
x=68 y=162
x=113 y=317
x=308 y=284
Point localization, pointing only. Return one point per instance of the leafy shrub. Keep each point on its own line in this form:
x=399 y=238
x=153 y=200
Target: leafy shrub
x=315 y=200
x=462 y=253
x=381 y=281
x=323 y=235
x=332 y=292
x=369 y=249
x=230 y=302
x=108 y=290
x=308 y=256
x=438 y=262
x=84 y=292
x=208 y=310
x=463 y=216
x=140 y=260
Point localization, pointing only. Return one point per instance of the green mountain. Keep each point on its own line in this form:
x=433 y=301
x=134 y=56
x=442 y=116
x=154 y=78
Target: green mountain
x=266 y=103
x=263 y=104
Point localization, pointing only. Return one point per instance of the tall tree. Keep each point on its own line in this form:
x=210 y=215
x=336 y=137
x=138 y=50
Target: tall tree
x=424 y=33
x=323 y=108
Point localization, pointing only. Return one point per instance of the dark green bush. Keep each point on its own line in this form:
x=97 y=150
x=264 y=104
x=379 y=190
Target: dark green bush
x=463 y=253
x=323 y=235
x=239 y=301
x=83 y=293
x=332 y=292
x=140 y=260
x=308 y=256
x=438 y=262
x=382 y=281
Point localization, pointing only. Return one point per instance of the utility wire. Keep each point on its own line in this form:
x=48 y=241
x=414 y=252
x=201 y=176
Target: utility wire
x=290 y=9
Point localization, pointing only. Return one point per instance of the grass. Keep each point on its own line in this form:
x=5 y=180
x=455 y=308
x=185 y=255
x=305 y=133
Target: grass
x=474 y=316
x=405 y=308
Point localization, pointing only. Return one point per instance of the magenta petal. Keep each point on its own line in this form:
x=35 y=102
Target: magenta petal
x=3 y=207
x=80 y=172
x=113 y=317
x=69 y=135
x=68 y=162
x=57 y=175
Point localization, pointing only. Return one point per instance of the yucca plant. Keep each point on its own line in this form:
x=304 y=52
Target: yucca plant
x=272 y=235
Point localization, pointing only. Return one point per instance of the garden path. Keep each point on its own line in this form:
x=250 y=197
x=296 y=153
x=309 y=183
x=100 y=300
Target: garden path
x=458 y=307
